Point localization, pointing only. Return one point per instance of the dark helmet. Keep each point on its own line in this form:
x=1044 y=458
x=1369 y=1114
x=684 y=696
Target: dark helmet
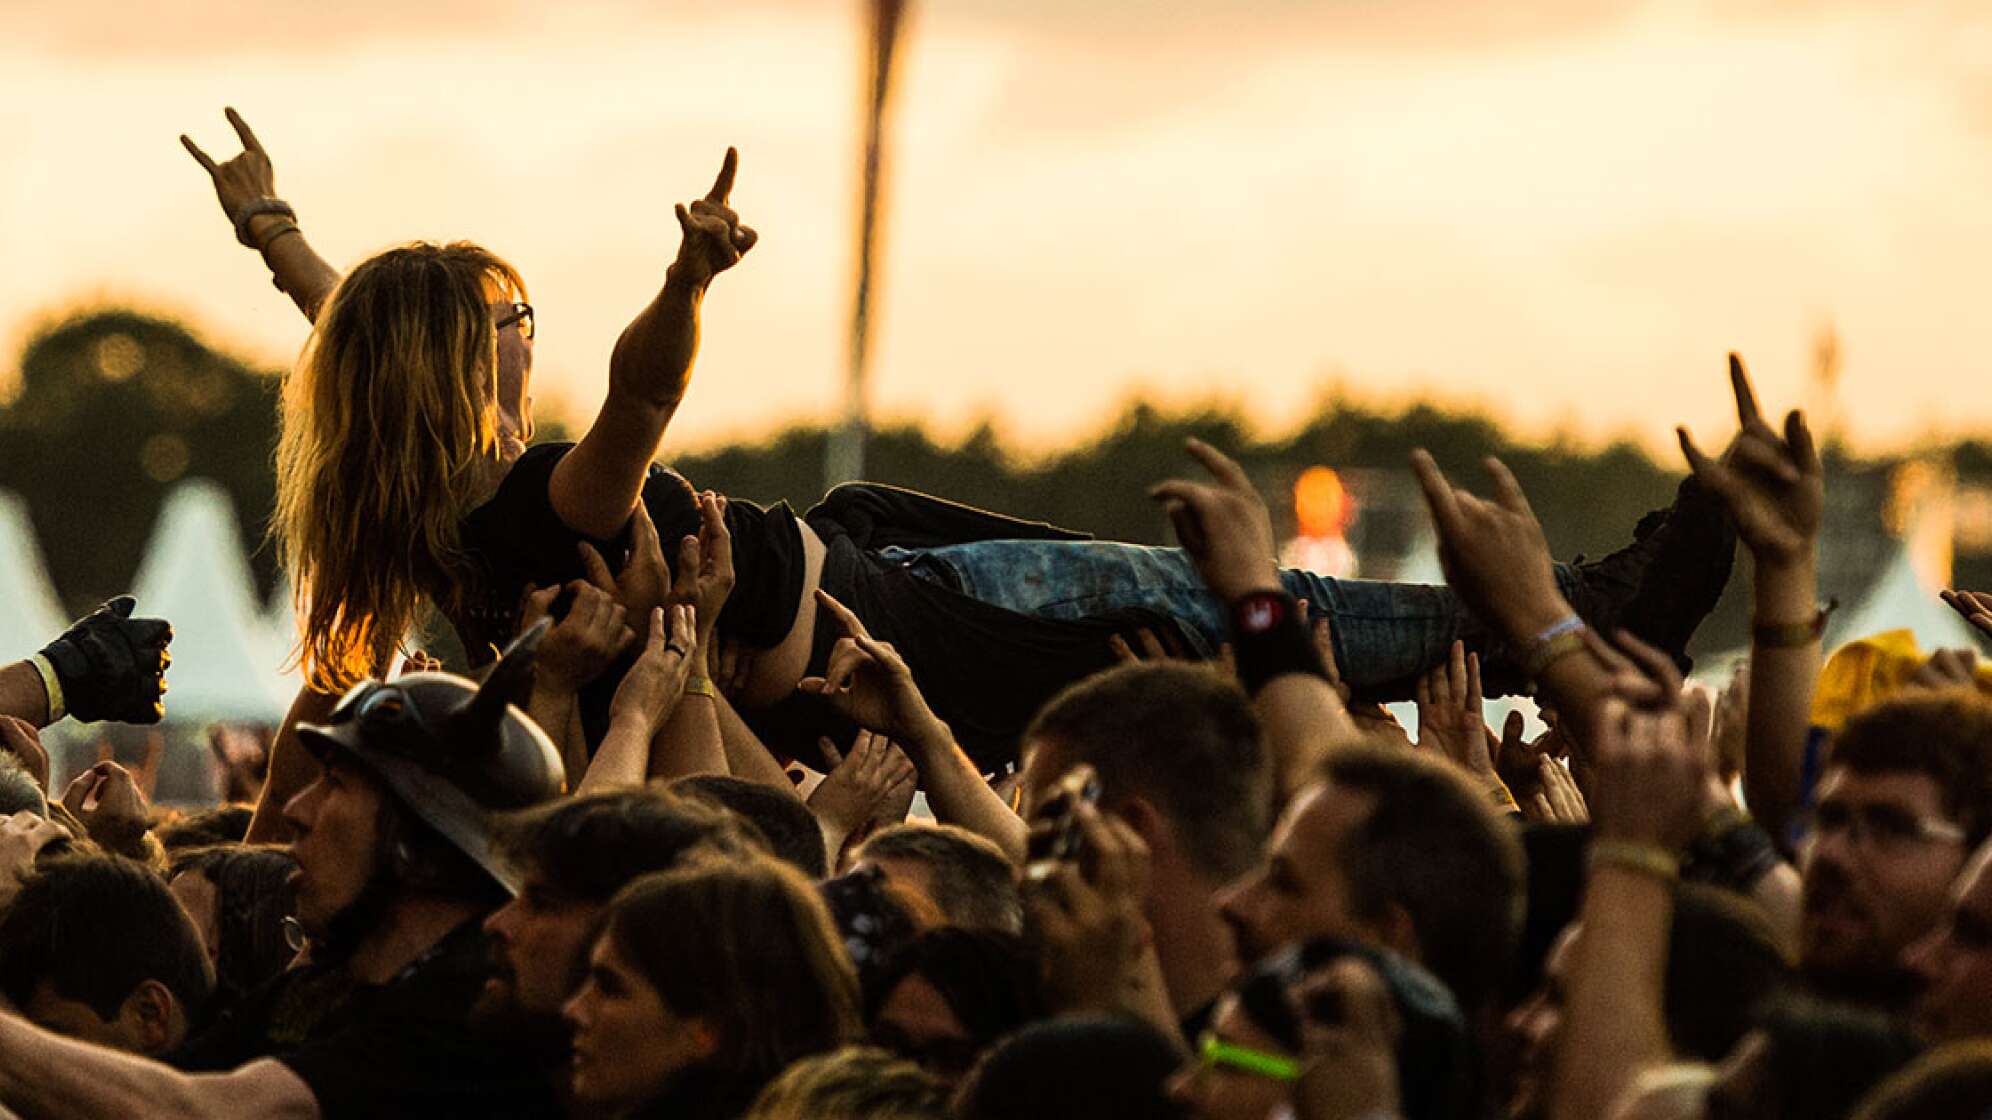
x=452 y=752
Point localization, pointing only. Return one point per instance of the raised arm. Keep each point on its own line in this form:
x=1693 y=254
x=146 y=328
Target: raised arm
x=246 y=187
x=1647 y=807
x=648 y=695
x=1774 y=488
x=870 y=684
x=1495 y=557
x=1225 y=527
x=595 y=484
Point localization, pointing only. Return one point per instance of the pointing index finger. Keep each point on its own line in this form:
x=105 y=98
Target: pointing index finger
x=723 y=186
x=852 y=625
x=249 y=141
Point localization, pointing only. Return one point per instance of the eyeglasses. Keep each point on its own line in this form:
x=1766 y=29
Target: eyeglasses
x=1214 y=1051
x=522 y=314
x=1883 y=827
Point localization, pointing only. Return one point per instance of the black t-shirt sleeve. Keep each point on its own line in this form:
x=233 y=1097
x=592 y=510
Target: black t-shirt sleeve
x=516 y=538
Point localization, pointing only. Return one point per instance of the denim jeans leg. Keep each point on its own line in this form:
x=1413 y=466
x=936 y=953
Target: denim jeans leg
x=1383 y=632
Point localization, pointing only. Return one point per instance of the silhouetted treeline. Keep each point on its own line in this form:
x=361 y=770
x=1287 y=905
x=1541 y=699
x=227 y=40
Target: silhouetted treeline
x=115 y=406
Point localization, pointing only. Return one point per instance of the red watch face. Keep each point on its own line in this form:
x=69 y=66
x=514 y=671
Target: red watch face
x=1259 y=614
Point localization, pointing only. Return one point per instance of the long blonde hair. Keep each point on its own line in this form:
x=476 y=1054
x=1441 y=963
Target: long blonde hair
x=391 y=408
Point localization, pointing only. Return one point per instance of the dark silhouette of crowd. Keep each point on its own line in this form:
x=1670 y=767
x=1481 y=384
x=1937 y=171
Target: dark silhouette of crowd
x=608 y=796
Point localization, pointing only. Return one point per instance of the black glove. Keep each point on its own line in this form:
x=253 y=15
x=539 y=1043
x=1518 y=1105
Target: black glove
x=113 y=666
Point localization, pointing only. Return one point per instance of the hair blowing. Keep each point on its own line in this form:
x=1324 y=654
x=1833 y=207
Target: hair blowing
x=389 y=411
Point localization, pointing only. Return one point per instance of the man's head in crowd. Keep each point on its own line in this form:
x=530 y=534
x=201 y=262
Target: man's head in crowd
x=787 y=824
x=397 y=827
x=96 y=947
x=1724 y=963
x=1906 y=796
x=359 y=852
x=1179 y=757
x=572 y=857
x=1392 y=849
x=967 y=877
x=951 y=994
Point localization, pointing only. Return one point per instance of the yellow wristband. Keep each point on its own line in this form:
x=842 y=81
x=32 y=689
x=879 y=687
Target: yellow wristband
x=52 y=685
x=1646 y=859
x=1552 y=650
x=701 y=686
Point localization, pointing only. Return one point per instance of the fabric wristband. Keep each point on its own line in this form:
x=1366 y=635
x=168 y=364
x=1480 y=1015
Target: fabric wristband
x=701 y=686
x=255 y=207
x=1733 y=851
x=1545 y=652
x=1645 y=859
x=1270 y=640
x=52 y=684
x=283 y=227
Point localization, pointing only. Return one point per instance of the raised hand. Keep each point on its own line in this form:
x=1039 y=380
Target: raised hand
x=1223 y=525
x=1947 y=668
x=645 y=582
x=1087 y=913
x=1773 y=485
x=582 y=644
x=1493 y=551
x=1974 y=606
x=19 y=738
x=1516 y=759
x=1651 y=786
x=714 y=240
x=651 y=688
x=711 y=564
x=867 y=682
x=1558 y=800
x=861 y=788
x=1450 y=719
x=241 y=180
x=113 y=666
x=108 y=801
x=1147 y=645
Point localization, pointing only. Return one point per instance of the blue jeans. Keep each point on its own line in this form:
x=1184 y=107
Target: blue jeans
x=1383 y=632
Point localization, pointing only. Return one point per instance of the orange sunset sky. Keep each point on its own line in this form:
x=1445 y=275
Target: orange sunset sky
x=1562 y=211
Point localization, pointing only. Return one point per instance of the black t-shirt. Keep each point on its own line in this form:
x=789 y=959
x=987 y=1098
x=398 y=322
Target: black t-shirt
x=399 y=1049
x=516 y=538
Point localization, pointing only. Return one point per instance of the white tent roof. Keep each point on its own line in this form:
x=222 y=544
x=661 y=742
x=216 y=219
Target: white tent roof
x=1898 y=600
x=30 y=615
x=225 y=665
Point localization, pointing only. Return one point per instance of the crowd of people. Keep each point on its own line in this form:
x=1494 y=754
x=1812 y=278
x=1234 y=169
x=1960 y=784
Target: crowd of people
x=600 y=798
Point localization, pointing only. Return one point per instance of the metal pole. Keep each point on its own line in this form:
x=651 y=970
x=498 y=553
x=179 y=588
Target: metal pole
x=844 y=453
